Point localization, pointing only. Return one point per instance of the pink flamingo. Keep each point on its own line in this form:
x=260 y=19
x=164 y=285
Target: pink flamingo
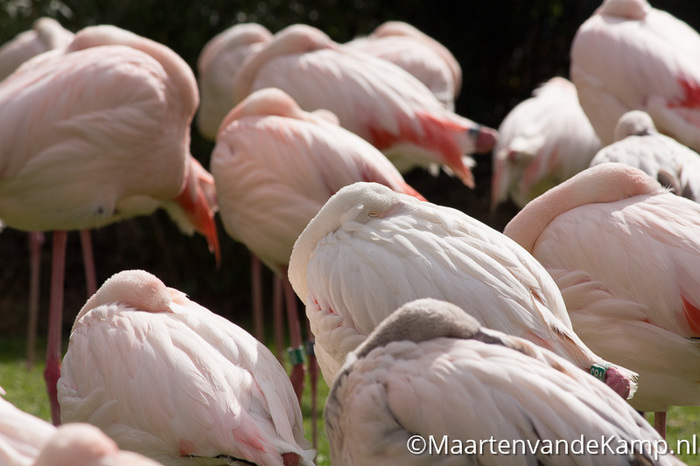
x=371 y=97
x=370 y=250
x=416 y=52
x=177 y=382
x=105 y=136
x=46 y=34
x=275 y=166
x=626 y=254
x=543 y=141
x=630 y=56
x=28 y=440
x=216 y=66
x=430 y=370
x=639 y=144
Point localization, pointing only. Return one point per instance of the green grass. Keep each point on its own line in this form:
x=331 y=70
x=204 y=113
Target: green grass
x=26 y=390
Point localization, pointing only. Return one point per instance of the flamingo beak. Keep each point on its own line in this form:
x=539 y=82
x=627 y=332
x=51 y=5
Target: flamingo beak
x=200 y=213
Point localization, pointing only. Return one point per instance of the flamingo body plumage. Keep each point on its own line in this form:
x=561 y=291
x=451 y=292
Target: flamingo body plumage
x=640 y=145
x=371 y=97
x=369 y=250
x=177 y=381
x=624 y=251
x=543 y=141
x=430 y=370
x=217 y=64
x=275 y=166
x=46 y=34
x=416 y=52
x=630 y=56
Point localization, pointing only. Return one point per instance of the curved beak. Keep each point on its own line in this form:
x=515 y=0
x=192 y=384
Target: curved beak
x=199 y=204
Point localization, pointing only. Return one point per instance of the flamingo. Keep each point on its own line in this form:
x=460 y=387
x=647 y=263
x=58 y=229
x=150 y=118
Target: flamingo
x=419 y=54
x=46 y=34
x=22 y=436
x=104 y=136
x=177 y=382
x=216 y=66
x=626 y=254
x=370 y=250
x=371 y=97
x=275 y=166
x=543 y=141
x=639 y=144
x=26 y=440
x=430 y=370
x=80 y=444
x=630 y=56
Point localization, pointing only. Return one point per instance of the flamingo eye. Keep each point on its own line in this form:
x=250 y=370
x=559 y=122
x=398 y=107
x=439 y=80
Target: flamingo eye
x=373 y=213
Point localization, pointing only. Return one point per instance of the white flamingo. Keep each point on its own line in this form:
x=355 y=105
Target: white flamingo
x=369 y=250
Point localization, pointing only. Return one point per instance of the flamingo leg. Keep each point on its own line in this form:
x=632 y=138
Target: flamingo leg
x=53 y=348
x=278 y=318
x=296 y=350
x=313 y=379
x=36 y=241
x=88 y=262
x=660 y=423
x=256 y=297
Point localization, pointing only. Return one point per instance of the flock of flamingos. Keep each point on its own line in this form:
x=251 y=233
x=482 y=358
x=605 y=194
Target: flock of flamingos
x=582 y=313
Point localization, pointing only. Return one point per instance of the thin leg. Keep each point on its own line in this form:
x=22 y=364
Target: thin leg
x=313 y=379
x=256 y=291
x=36 y=241
x=660 y=423
x=278 y=318
x=297 y=376
x=88 y=262
x=53 y=348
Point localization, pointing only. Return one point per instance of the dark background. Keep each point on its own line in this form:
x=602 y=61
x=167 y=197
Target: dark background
x=505 y=48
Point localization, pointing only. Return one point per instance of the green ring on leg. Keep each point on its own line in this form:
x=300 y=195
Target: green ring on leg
x=598 y=371
x=296 y=355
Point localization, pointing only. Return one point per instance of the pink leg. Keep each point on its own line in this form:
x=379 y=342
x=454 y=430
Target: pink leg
x=36 y=241
x=297 y=348
x=278 y=318
x=660 y=423
x=88 y=262
x=313 y=379
x=53 y=349
x=256 y=292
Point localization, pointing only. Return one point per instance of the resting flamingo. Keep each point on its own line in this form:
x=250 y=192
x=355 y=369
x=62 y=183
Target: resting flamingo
x=275 y=166
x=26 y=440
x=419 y=54
x=639 y=144
x=46 y=34
x=630 y=56
x=626 y=254
x=216 y=66
x=543 y=141
x=371 y=97
x=370 y=250
x=104 y=136
x=430 y=369
x=177 y=382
